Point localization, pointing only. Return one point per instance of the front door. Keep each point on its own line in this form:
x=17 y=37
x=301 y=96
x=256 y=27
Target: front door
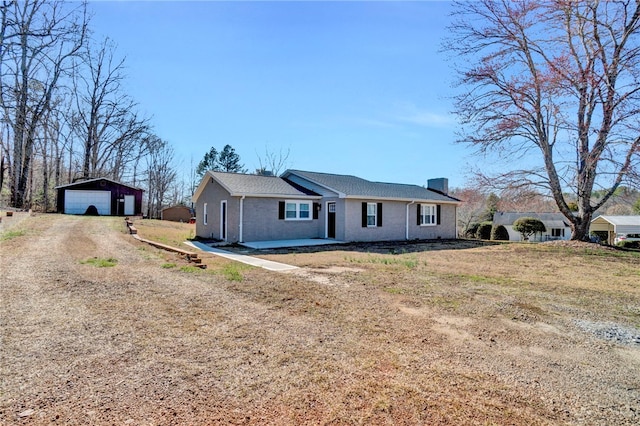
x=331 y=220
x=223 y=220
x=129 y=205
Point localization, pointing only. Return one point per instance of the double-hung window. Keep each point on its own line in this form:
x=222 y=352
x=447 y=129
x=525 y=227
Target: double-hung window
x=297 y=210
x=428 y=214
x=372 y=214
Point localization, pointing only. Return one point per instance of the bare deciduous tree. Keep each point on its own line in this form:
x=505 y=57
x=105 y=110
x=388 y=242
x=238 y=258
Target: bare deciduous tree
x=472 y=207
x=161 y=174
x=273 y=162
x=39 y=39
x=106 y=121
x=555 y=83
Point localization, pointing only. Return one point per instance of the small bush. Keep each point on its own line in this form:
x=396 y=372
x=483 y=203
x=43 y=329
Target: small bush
x=499 y=233
x=484 y=231
x=471 y=230
x=629 y=244
x=92 y=211
x=528 y=226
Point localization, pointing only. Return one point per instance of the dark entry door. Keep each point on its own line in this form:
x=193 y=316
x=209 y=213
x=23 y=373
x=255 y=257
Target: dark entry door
x=223 y=221
x=331 y=220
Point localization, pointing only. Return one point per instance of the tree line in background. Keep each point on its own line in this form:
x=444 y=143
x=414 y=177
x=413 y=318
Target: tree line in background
x=480 y=202
x=65 y=113
x=66 y=116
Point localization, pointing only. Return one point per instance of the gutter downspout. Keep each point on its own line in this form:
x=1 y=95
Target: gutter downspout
x=240 y=236
x=455 y=227
x=406 y=237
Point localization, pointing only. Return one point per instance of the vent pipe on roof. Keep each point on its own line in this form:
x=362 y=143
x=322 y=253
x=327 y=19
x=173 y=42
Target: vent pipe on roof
x=439 y=184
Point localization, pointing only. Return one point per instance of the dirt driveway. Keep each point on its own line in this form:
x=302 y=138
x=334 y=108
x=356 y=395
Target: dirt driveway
x=411 y=339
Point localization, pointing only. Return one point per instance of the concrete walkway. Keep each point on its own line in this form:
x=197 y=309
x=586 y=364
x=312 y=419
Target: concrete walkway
x=249 y=260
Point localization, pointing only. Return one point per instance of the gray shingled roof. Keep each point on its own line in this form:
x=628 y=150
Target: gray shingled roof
x=551 y=220
x=352 y=186
x=256 y=185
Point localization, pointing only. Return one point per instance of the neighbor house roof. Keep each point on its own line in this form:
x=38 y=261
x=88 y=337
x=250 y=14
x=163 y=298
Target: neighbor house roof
x=550 y=220
x=348 y=186
x=238 y=184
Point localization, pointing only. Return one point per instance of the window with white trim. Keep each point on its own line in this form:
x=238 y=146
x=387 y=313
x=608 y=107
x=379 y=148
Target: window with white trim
x=372 y=214
x=204 y=215
x=297 y=210
x=428 y=214
x=557 y=232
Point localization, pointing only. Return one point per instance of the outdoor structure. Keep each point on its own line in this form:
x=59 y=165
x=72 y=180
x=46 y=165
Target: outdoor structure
x=241 y=208
x=557 y=226
x=614 y=225
x=177 y=214
x=109 y=197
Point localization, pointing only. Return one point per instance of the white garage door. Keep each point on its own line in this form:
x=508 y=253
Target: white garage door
x=76 y=202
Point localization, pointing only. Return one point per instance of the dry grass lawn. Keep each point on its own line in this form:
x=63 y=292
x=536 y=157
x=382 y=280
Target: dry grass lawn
x=98 y=328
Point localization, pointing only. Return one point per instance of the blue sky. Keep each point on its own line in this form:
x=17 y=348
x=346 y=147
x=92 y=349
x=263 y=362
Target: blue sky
x=347 y=87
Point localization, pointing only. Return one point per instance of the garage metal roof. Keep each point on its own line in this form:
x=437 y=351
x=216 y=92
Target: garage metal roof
x=84 y=182
x=621 y=224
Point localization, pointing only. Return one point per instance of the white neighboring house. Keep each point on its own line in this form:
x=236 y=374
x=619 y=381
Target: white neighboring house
x=616 y=225
x=557 y=226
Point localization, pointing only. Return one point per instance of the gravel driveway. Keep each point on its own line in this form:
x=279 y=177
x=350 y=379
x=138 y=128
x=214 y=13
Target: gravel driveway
x=147 y=343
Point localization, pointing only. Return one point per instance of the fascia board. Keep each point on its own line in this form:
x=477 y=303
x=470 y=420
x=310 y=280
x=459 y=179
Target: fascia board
x=203 y=184
x=284 y=196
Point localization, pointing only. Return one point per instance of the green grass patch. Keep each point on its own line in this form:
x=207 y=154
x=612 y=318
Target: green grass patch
x=232 y=272
x=99 y=262
x=9 y=235
x=190 y=269
x=444 y=302
x=481 y=279
x=394 y=290
x=168 y=265
x=408 y=262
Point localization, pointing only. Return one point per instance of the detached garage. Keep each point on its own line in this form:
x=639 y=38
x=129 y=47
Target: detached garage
x=616 y=225
x=110 y=198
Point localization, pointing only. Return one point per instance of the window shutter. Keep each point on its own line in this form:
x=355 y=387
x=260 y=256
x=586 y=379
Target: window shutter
x=419 y=214
x=281 y=210
x=316 y=210
x=379 y=214
x=364 y=215
x=438 y=214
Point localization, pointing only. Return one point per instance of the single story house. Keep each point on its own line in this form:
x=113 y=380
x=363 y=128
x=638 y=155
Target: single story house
x=556 y=224
x=615 y=225
x=177 y=214
x=299 y=204
x=109 y=197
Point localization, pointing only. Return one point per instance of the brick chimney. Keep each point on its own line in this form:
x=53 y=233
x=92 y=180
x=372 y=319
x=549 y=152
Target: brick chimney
x=439 y=184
